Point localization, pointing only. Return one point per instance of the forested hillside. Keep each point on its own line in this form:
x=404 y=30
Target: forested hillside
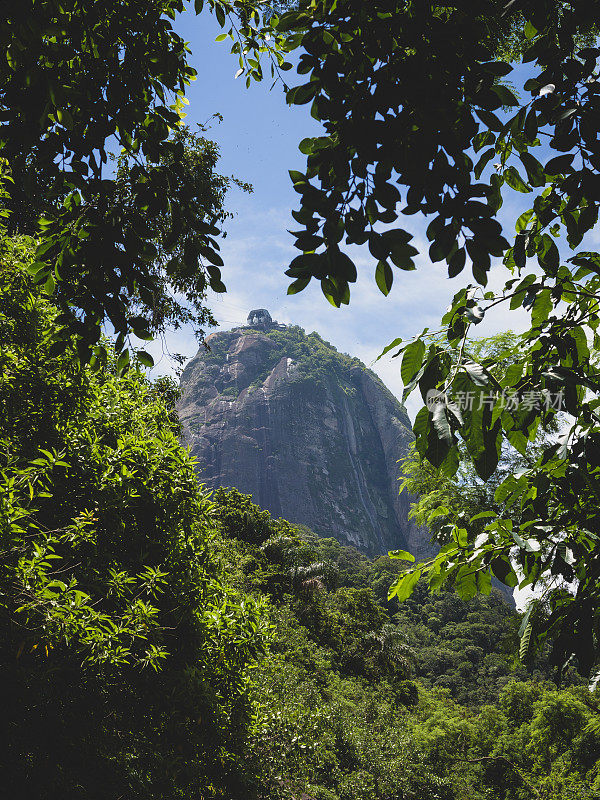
x=361 y=697
x=160 y=643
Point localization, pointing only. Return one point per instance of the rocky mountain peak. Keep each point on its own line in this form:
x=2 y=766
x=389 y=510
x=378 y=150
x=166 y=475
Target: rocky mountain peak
x=312 y=434
x=261 y=319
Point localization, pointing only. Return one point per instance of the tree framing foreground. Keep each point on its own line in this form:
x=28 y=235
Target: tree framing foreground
x=79 y=81
x=407 y=92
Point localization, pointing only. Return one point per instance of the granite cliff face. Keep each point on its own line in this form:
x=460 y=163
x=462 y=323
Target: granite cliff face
x=311 y=433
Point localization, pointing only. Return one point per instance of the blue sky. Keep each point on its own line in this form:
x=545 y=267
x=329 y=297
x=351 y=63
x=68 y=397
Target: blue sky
x=259 y=139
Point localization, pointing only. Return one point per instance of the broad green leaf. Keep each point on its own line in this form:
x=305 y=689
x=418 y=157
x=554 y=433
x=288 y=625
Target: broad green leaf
x=306 y=145
x=504 y=571
x=484 y=582
x=523 y=220
x=145 y=358
x=515 y=181
x=465 y=583
x=542 y=306
x=298 y=285
x=412 y=360
x=457 y=262
x=535 y=170
x=403 y=555
x=384 y=277
x=476 y=373
x=405 y=586
x=506 y=97
x=559 y=165
x=123 y=361
x=518 y=441
x=441 y=423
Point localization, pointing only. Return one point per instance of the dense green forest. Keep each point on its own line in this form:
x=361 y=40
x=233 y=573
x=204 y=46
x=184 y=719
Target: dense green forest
x=160 y=642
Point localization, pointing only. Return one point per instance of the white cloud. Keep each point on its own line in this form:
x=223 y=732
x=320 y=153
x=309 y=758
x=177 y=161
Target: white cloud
x=257 y=251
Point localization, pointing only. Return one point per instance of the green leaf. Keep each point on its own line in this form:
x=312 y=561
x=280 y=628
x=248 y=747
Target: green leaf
x=50 y=284
x=123 y=362
x=523 y=220
x=289 y=21
x=330 y=292
x=542 y=306
x=497 y=68
x=518 y=441
x=519 y=293
x=306 y=145
x=403 y=555
x=387 y=348
x=559 y=165
x=298 y=285
x=412 y=360
x=531 y=126
x=384 y=277
x=145 y=358
x=527 y=630
x=485 y=158
x=503 y=571
x=506 y=97
x=219 y=13
x=476 y=373
x=515 y=181
x=484 y=515
x=211 y=255
x=342 y=265
x=457 y=262
x=535 y=171
x=441 y=423
x=35 y=267
x=490 y=119
x=465 y=583
x=529 y=30
x=513 y=374
x=401 y=256
x=303 y=94
x=218 y=286
x=405 y=585
x=484 y=582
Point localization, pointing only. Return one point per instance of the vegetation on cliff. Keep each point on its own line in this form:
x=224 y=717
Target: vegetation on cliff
x=310 y=432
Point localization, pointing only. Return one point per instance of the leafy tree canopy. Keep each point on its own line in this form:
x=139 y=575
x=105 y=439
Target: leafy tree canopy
x=415 y=112
x=79 y=81
x=357 y=696
x=119 y=639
